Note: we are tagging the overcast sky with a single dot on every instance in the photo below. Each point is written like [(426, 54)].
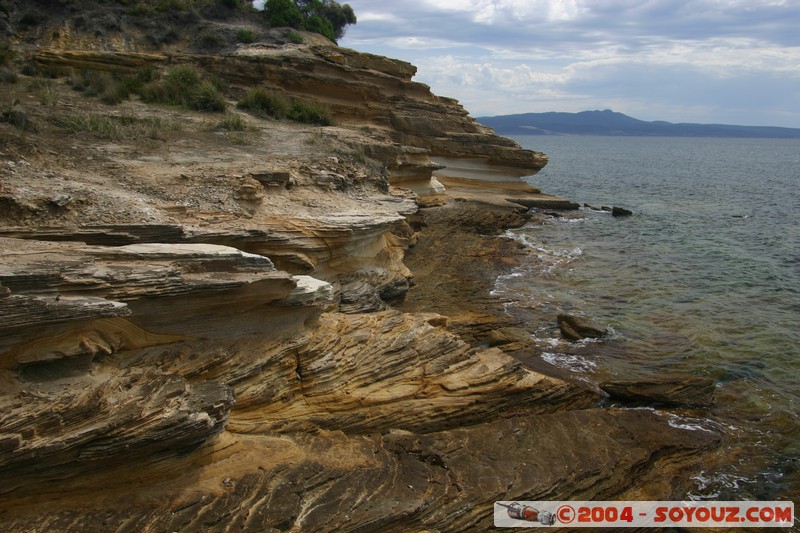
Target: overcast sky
[(721, 61)]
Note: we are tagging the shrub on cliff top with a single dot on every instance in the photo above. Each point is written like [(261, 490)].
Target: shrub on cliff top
[(317, 24), (281, 13), (326, 17)]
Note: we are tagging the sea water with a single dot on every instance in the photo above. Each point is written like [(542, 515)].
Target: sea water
[(703, 279)]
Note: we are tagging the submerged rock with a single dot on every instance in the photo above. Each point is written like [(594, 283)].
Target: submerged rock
[(668, 390), (576, 328), (620, 212)]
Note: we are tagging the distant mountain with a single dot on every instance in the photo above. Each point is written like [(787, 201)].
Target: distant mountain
[(612, 123)]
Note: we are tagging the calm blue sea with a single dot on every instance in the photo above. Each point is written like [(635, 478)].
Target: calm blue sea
[(703, 279)]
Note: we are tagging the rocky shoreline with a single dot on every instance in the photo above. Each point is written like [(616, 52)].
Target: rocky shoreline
[(294, 332), (380, 420)]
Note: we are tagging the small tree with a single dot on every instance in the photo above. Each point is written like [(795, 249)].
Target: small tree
[(283, 13), (319, 25), (338, 15), (326, 17)]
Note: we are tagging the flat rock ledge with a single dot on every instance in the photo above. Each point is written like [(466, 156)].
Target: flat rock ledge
[(692, 391)]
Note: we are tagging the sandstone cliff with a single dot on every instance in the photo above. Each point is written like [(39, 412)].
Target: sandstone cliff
[(207, 332)]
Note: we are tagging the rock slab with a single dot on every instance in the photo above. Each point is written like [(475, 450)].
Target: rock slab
[(576, 328), (691, 391)]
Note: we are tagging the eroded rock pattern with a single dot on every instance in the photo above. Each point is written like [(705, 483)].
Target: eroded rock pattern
[(205, 337)]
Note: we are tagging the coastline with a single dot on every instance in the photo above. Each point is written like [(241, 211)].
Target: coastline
[(218, 326)]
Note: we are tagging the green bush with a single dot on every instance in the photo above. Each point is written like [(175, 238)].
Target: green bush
[(110, 88), (294, 37), (98, 125), (17, 117), (115, 94), (183, 78), (148, 7), (29, 69), (337, 15), (246, 36), (232, 122), (116, 127), (326, 17), (6, 54), (157, 92), (207, 97), (210, 39), (263, 103), (135, 82), (317, 24), (281, 13), (309, 113), (45, 90), (7, 75), (184, 86)]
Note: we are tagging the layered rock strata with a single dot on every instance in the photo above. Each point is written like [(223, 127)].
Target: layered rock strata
[(202, 336), (430, 136), (392, 482)]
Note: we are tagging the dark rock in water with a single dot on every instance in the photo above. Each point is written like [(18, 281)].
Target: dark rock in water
[(576, 328), (605, 208), (669, 390), (620, 212), (546, 202)]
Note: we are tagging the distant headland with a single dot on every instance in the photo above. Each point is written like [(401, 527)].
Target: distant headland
[(609, 122)]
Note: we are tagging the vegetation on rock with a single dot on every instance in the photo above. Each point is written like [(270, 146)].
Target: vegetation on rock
[(326, 17), (185, 86), (116, 127), (245, 35), (263, 103)]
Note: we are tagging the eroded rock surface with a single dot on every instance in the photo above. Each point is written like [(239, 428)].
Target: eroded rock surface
[(290, 334), (695, 391), (329, 481)]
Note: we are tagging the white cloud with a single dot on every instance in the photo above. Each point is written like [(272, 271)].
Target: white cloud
[(711, 58), (491, 11), (372, 16)]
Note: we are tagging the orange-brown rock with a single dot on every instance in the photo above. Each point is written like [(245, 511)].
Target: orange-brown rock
[(206, 332)]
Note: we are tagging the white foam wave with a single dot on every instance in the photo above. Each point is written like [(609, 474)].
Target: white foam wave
[(569, 361), (549, 341), (709, 485), (690, 424)]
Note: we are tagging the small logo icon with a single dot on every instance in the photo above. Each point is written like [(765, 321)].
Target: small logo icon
[(529, 514)]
